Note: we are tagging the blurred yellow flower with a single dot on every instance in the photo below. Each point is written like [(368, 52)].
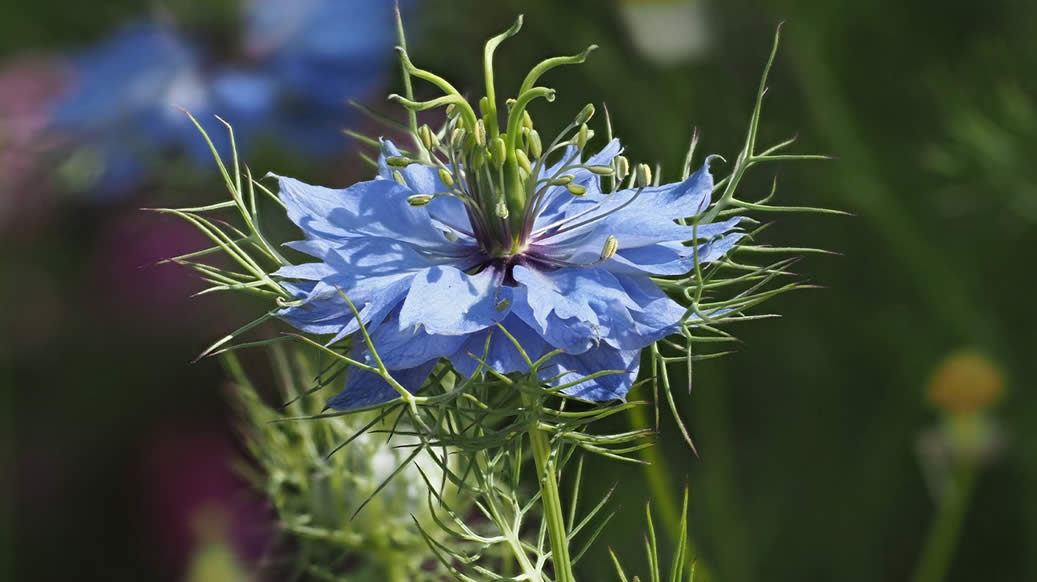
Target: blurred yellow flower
[(966, 382)]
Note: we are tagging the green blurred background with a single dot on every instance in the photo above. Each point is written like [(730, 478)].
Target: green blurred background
[(815, 437)]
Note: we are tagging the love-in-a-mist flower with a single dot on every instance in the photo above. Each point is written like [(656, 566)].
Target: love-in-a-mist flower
[(484, 227)]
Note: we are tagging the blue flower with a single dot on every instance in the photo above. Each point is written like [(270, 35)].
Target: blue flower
[(123, 98), (320, 54), (434, 272), (304, 61)]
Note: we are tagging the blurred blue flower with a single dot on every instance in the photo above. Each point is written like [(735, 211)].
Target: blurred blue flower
[(123, 99), (431, 282), (303, 60), (319, 53)]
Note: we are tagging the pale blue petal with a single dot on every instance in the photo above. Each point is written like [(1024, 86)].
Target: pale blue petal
[(572, 335), (611, 386), (364, 389), (573, 307), (377, 208), (446, 212), (401, 346), (502, 356), (448, 301)]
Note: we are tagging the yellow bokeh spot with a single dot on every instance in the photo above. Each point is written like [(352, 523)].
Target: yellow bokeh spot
[(965, 382)]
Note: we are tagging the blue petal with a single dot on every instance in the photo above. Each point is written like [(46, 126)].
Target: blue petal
[(448, 301), (325, 311), (558, 198), (364, 389), (671, 258), (573, 335), (376, 208), (609, 386), (402, 346), (502, 356), (657, 315), (587, 304), (636, 219), (446, 212)]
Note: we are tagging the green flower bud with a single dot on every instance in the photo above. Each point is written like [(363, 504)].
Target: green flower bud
[(576, 189), (484, 105), (451, 111), (397, 161), (560, 180), (419, 199), (585, 114), (601, 170), (523, 161), (446, 178), (609, 249), (480, 133), (644, 175)]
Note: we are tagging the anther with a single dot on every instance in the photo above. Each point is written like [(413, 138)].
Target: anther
[(644, 175), (609, 249), (446, 178), (419, 199)]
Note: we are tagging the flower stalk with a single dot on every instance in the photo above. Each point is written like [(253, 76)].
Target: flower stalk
[(547, 480)]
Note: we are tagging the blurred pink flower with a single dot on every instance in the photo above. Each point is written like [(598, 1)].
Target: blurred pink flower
[(28, 88), (187, 477)]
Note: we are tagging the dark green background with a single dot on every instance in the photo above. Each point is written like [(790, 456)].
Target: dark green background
[(807, 435)]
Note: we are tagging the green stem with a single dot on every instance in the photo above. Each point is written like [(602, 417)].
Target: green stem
[(547, 479), (395, 567), (408, 90), (946, 528), (512, 536)]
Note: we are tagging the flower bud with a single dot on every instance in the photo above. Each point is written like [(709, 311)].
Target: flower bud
[(523, 161), (451, 111), (480, 133), (622, 167), (644, 175), (601, 170), (419, 199), (560, 180), (586, 113), (484, 105), (446, 178), (576, 189), (609, 249), (397, 161)]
